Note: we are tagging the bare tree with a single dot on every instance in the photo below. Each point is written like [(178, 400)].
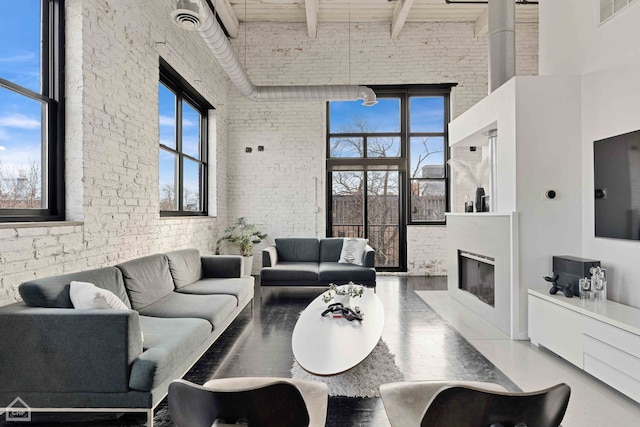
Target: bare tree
[(167, 197), (20, 188), (382, 188)]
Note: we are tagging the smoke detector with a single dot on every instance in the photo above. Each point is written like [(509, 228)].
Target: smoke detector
[(187, 15)]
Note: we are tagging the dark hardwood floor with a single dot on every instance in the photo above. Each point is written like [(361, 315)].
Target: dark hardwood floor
[(258, 343)]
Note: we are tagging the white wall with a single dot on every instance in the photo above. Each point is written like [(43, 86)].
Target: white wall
[(609, 67), (112, 144), (277, 188)]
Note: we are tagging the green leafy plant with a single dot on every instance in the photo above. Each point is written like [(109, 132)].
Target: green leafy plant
[(241, 235), (351, 289)]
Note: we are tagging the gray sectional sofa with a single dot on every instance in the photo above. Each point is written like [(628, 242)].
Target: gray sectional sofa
[(313, 262), (56, 357)]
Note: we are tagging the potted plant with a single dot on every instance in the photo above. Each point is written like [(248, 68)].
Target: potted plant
[(343, 294), (243, 236)]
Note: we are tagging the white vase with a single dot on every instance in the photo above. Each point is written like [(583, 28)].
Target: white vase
[(247, 265)]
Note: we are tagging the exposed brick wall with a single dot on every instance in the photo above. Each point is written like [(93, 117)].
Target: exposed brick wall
[(277, 188), (112, 144)]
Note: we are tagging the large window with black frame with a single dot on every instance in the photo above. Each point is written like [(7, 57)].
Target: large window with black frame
[(386, 167), (182, 161), (31, 116)]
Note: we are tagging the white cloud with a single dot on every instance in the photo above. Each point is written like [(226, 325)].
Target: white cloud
[(2, 148), (21, 57), (17, 120), (167, 121)]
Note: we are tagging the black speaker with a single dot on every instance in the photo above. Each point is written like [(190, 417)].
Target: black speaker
[(571, 269)]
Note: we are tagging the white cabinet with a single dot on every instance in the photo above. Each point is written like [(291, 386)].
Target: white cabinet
[(604, 341)]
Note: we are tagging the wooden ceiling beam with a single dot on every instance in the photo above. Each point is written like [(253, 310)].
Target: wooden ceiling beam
[(482, 24), (400, 17), (311, 7)]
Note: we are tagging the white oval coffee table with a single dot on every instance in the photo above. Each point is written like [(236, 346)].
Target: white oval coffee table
[(330, 346)]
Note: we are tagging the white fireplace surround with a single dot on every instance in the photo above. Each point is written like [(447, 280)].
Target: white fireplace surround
[(492, 235)]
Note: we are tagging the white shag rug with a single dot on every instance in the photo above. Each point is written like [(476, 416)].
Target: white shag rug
[(363, 380)]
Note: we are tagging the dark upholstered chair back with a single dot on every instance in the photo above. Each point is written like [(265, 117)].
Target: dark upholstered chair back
[(466, 406), (275, 405)]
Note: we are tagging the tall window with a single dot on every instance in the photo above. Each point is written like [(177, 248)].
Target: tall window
[(386, 167), (31, 116), (183, 146)]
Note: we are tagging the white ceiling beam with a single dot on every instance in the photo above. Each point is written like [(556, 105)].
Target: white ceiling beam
[(311, 7), (227, 16), (482, 24), (399, 17)]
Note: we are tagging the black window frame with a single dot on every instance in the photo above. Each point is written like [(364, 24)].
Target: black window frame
[(52, 96), (185, 92), (443, 91), (404, 93)]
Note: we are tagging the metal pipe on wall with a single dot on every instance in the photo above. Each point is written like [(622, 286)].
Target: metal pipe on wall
[(194, 15)]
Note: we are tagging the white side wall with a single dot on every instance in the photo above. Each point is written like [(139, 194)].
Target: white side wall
[(281, 187), (112, 144), (609, 67)]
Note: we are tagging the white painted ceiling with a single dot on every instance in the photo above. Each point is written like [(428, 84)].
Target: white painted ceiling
[(392, 13)]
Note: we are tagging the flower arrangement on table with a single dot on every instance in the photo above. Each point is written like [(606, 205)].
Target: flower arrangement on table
[(350, 290)]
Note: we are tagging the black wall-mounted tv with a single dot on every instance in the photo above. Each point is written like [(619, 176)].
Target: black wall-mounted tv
[(617, 186)]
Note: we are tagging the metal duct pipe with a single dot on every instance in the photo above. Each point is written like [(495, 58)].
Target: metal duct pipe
[(193, 15), (502, 42)]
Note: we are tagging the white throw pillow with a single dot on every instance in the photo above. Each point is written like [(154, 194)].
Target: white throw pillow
[(87, 295), (353, 251)]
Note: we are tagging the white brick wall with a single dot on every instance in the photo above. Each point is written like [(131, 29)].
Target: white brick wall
[(112, 132), (277, 187), (112, 144)]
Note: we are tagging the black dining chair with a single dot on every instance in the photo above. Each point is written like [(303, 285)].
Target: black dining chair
[(439, 404), (254, 402)]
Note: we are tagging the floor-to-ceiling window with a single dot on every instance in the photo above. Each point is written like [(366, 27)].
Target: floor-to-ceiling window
[(182, 163), (31, 116), (386, 167)]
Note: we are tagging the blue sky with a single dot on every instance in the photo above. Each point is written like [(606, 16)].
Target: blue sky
[(426, 115), (190, 139), (20, 117)]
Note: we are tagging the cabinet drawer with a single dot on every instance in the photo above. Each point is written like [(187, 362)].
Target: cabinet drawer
[(556, 328), (615, 337), (611, 376), (622, 361)]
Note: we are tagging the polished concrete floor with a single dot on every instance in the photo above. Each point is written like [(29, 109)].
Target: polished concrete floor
[(425, 346), (592, 403)]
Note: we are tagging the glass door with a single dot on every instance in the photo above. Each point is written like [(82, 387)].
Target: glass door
[(366, 204)]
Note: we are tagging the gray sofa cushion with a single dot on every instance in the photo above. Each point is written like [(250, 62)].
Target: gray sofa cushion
[(291, 271), (53, 292), (214, 308), (298, 250), (330, 249), (241, 288), (185, 266), (167, 344), (339, 272), (147, 280)]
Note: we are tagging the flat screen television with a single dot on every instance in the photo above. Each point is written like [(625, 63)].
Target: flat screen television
[(617, 186)]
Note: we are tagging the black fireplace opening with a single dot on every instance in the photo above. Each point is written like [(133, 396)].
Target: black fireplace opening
[(476, 275)]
